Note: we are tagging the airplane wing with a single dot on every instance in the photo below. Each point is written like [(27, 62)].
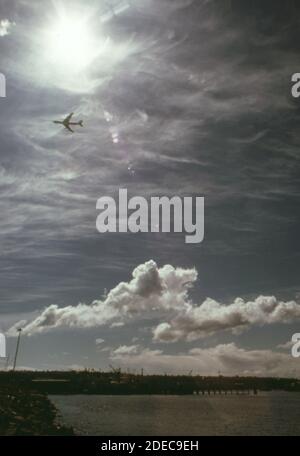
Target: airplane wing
[(67, 119), (69, 128)]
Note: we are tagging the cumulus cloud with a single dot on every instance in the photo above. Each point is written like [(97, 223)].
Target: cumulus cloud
[(164, 293), (227, 358), (195, 322), (151, 289), (5, 27)]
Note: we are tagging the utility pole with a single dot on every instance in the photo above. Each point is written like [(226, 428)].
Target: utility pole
[(17, 348)]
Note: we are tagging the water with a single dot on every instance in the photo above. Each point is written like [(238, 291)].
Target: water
[(265, 414)]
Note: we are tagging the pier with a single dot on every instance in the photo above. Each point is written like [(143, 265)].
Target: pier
[(116, 382)]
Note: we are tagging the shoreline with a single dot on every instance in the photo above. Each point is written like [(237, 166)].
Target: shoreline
[(26, 412)]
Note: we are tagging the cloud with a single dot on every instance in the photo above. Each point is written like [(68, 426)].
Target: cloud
[(227, 358), (195, 322), (286, 346), (13, 331), (125, 350), (150, 289), (164, 293), (5, 27), (99, 341), (106, 349), (117, 324)]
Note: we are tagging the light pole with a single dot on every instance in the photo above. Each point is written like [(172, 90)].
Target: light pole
[(17, 348)]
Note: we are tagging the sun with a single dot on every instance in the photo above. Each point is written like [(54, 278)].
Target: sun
[(73, 50), (70, 44)]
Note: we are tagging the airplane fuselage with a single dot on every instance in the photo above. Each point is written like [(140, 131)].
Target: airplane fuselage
[(64, 123)]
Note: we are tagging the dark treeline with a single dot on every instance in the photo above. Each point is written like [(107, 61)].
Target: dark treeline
[(118, 382)]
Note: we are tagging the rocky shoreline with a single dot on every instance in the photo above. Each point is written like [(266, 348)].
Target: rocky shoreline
[(26, 412)]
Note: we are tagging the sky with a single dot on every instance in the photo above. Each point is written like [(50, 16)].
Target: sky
[(178, 97)]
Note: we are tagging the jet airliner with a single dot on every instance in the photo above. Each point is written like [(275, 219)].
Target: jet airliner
[(67, 122)]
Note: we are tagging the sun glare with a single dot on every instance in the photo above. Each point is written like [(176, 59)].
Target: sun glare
[(70, 44), (73, 51)]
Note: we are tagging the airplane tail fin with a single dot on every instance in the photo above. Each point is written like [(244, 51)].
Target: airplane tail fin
[(81, 123)]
